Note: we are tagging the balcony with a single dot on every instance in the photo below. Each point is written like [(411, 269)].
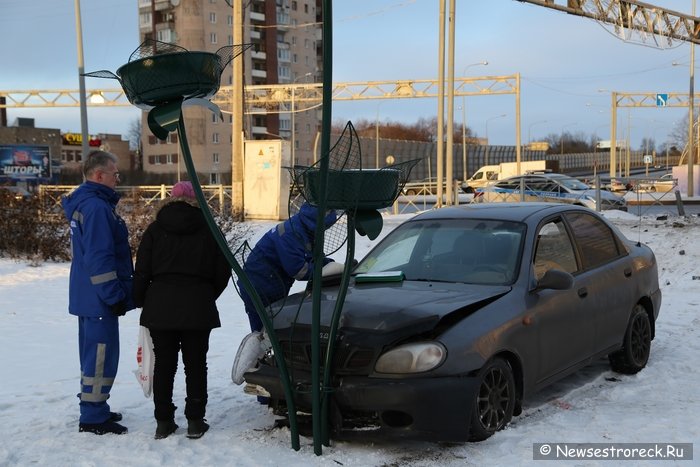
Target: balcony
[(258, 55), (255, 16)]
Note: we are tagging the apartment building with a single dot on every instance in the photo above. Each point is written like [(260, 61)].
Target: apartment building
[(287, 49)]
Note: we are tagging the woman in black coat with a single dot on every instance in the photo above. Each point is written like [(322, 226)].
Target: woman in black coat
[(180, 272)]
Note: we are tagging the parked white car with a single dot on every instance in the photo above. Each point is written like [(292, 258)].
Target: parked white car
[(663, 184), (555, 188)]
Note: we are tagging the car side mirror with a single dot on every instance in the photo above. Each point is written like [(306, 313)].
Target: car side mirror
[(555, 279)]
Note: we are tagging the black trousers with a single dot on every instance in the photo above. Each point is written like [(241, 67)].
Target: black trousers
[(166, 346)]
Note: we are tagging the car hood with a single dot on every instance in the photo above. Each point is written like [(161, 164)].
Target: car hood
[(390, 307)]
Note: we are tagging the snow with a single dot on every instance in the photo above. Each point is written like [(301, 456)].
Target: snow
[(39, 376)]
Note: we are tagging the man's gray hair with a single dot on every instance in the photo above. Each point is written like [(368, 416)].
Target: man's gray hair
[(98, 160)]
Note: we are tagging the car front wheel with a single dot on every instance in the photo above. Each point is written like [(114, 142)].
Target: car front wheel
[(493, 405), (636, 346)]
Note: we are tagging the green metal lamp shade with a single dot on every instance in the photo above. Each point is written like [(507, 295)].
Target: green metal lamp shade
[(354, 189), (169, 77), (161, 73)]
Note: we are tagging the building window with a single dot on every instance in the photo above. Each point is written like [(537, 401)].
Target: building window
[(145, 19), (306, 7), (214, 179), (229, 20), (283, 55), (230, 39), (215, 158), (214, 118), (294, 5), (215, 138), (307, 43), (284, 72), (212, 38), (294, 40), (212, 18), (164, 35), (294, 58)]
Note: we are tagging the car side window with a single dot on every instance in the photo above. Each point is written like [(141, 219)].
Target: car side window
[(554, 249), (595, 239)]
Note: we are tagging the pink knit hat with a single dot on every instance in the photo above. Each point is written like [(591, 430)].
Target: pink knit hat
[(183, 189)]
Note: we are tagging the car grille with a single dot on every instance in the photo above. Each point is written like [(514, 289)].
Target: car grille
[(347, 359)]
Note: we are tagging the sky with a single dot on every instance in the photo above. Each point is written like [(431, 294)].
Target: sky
[(568, 65), (40, 375)]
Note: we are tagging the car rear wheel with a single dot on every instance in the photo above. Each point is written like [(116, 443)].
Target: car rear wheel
[(411, 192), (493, 405), (636, 346)]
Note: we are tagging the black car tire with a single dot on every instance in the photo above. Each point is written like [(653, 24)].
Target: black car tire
[(494, 400), (637, 344), (410, 192)]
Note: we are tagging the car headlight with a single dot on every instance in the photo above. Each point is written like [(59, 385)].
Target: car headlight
[(411, 358)]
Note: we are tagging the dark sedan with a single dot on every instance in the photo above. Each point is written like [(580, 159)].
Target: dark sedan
[(461, 313)]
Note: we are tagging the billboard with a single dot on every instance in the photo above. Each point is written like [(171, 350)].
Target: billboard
[(24, 162)]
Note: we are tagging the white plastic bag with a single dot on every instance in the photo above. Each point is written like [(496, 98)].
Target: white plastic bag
[(145, 358)]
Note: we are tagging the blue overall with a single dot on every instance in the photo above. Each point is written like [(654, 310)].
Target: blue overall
[(100, 276)]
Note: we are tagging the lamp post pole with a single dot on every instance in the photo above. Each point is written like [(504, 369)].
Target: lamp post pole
[(376, 137), (81, 82), (529, 132), (486, 158), (561, 136), (293, 139), (464, 122)]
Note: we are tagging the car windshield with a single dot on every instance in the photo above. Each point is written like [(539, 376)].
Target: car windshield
[(572, 183), (450, 250)]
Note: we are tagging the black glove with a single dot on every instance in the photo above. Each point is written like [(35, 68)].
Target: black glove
[(119, 308)]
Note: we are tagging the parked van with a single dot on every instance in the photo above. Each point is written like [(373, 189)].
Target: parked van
[(491, 173)]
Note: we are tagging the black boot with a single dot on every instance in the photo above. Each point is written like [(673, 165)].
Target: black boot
[(104, 428), (196, 428), (165, 428)]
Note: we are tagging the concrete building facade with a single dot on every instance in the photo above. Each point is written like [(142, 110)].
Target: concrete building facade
[(286, 38)]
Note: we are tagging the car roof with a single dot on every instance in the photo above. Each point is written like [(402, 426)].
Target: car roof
[(517, 212)]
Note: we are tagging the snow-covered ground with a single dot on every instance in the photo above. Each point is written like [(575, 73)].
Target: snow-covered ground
[(39, 379)]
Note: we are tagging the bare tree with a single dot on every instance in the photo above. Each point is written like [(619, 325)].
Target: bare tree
[(135, 131)]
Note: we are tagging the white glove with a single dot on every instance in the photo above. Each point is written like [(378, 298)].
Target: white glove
[(332, 269)]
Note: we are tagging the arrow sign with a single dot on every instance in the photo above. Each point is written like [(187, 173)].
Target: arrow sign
[(661, 100)]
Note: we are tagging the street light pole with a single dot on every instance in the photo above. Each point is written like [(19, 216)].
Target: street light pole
[(376, 137), (561, 136), (81, 82), (529, 139), (486, 158), (293, 139), (464, 122)]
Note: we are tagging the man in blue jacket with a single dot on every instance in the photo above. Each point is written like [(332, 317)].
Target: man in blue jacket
[(281, 256), (100, 287)]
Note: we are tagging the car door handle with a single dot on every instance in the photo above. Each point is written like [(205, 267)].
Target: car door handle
[(628, 272), (582, 292)]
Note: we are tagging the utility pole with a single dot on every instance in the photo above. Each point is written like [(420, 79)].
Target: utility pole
[(237, 202), (81, 82), (441, 104)]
